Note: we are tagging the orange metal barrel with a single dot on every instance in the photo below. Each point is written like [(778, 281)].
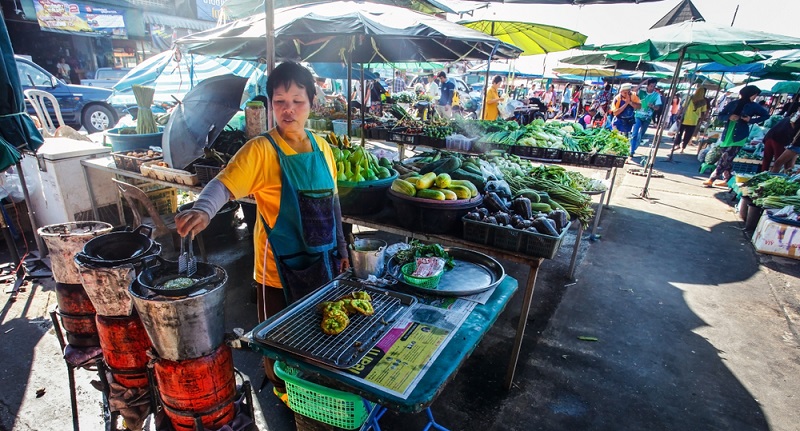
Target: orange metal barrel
[(205, 386), (125, 344), (72, 299)]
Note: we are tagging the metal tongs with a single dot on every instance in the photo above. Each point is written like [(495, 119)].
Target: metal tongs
[(187, 263)]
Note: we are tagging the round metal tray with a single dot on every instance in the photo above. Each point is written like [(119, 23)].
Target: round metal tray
[(474, 273)]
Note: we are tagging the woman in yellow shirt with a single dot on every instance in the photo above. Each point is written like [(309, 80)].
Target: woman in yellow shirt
[(694, 112), (298, 238), (491, 111)]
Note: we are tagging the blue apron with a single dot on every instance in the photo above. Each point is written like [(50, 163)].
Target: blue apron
[(303, 240)]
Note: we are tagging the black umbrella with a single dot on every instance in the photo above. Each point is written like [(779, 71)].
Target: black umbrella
[(200, 117), (17, 131)]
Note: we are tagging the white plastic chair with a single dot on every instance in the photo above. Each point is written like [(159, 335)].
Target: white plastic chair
[(37, 99)]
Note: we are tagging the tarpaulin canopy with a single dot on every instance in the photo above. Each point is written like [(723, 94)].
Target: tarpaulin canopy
[(17, 131), (531, 37), (172, 73), (339, 71), (349, 31)]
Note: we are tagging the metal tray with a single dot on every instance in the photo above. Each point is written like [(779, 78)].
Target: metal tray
[(474, 273), (297, 330)]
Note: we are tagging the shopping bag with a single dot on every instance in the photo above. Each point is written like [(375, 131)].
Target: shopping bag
[(673, 129)]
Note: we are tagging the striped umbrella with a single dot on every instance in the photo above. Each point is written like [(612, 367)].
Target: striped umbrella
[(173, 74)]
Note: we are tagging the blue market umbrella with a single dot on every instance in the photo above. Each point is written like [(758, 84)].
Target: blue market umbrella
[(201, 116)]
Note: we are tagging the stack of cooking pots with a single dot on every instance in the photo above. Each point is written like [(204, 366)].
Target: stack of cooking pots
[(75, 309), (194, 367), (108, 265)]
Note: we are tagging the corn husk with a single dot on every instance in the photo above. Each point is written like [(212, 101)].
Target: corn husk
[(145, 122)]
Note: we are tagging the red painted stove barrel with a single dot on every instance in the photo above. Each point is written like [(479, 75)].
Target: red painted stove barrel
[(205, 386), (72, 299), (77, 315), (125, 344)]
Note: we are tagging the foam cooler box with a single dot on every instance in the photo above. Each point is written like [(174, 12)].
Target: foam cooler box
[(779, 239)]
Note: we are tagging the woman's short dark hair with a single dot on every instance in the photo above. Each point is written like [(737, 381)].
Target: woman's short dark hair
[(290, 72), (497, 79)]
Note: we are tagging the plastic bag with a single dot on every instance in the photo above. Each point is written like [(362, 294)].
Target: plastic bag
[(673, 129), (701, 156), (713, 155), (11, 186)]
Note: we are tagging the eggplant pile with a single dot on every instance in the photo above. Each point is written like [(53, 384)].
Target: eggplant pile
[(522, 214)]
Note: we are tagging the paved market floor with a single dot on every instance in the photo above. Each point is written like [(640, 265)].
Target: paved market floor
[(694, 331)]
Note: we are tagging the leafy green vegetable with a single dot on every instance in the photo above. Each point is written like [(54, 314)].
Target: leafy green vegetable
[(418, 249)]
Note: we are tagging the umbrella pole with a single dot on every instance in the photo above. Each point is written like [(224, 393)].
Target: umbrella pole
[(269, 22), (660, 128), (349, 88), (363, 100), (362, 111), (486, 82), (34, 227)]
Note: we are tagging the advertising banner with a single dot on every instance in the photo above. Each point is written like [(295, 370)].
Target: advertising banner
[(80, 18), (208, 10)]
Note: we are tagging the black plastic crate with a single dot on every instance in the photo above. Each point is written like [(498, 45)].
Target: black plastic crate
[(478, 232), (576, 158), (552, 153), (745, 168), (608, 161), (404, 138), (526, 151)]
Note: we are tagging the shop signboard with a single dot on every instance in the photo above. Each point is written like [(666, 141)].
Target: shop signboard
[(209, 10), (56, 15)]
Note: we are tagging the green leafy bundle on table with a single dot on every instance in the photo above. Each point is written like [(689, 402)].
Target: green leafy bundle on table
[(418, 249), (775, 186)]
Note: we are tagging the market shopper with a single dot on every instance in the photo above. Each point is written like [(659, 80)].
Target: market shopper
[(695, 111), (298, 239), (399, 82), (650, 100), (446, 90), (624, 109), (492, 111), (738, 115), (776, 140), (674, 110), (566, 99)]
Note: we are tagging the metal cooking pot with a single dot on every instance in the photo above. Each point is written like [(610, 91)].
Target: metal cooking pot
[(184, 327), (119, 248)]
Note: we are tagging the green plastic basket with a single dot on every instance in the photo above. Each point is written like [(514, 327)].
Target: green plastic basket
[(423, 282), (336, 408)]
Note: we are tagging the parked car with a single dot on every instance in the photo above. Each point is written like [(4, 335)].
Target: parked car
[(106, 77), (81, 106)]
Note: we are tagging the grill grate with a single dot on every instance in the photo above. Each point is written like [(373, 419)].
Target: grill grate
[(297, 329)]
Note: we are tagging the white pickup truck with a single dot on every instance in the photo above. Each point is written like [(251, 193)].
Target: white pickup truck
[(106, 77)]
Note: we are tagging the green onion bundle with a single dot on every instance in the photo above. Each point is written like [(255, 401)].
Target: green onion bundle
[(145, 122)]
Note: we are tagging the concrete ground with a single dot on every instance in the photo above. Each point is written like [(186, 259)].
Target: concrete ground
[(694, 331)]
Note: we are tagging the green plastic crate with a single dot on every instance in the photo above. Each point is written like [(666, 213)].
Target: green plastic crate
[(333, 407)]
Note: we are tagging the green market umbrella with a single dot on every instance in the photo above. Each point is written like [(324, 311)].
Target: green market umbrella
[(17, 131), (532, 38), (786, 87), (698, 42), (587, 72)]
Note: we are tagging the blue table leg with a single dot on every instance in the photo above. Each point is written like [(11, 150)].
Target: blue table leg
[(432, 422), (376, 412)]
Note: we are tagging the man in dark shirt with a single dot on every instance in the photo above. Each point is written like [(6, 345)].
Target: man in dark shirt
[(446, 89)]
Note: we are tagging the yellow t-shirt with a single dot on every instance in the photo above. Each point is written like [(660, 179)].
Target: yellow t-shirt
[(255, 169), (491, 112), (692, 114)]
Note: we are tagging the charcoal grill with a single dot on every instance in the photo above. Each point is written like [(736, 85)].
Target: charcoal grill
[(297, 328)]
